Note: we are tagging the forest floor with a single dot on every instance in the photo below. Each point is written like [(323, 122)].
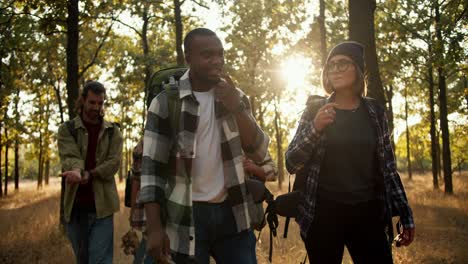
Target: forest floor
[(29, 231)]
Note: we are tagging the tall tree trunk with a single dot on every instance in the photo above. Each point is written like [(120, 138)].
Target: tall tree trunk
[(1, 147), (72, 55), (443, 106), (439, 155), (261, 117), (434, 138), (408, 153), (16, 148), (47, 140), (40, 161), (1, 186), (446, 156), (122, 170), (323, 32), (361, 29), (391, 125), (179, 32), (465, 82), (47, 170), (279, 145), (16, 162), (59, 100), (146, 55), (5, 191)]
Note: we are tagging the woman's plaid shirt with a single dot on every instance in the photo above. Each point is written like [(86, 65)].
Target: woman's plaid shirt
[(307, 149), (166, 168)]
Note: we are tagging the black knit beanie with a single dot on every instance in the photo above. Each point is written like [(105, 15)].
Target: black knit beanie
[(352, 49)]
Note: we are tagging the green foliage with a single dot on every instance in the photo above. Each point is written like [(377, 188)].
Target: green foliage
[(122, 42)]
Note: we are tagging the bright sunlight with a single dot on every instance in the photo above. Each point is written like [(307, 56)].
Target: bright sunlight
[(294, 71)]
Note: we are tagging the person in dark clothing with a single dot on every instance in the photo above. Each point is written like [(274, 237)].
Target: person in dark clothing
[(343, 149), (90, 150)]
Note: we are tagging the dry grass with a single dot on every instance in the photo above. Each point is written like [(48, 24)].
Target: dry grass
[(29, 233)]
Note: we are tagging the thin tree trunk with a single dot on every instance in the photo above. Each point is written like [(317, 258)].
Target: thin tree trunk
[(408, 154), (40, 161), (391, 126), (279, 145), (59, 100), (5, 190), (47, 170), (446, 156), (1, 186), (434, 139), (46, 155), (16, 148), (361, 29), (72, 55), (1, 147), (261, 117), (323, 32), (447, 165), (179, 32), (123, 169), (16, 162), (146, 55), (439, 155)]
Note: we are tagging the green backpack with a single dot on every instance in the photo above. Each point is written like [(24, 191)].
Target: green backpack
[(168, 80)]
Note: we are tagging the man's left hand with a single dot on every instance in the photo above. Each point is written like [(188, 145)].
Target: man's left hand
[(226, 92)]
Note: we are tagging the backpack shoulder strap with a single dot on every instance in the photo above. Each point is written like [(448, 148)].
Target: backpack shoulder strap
[(71, 129)]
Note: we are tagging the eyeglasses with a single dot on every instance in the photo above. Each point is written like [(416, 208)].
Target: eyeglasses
[(339, 66)]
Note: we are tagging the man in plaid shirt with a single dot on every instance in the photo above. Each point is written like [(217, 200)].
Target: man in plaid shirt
[(192, 185)]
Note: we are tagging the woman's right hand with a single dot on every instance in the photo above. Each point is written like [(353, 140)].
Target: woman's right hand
[(324, 117)]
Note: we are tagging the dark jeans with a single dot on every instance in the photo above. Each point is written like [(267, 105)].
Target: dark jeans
[(216, 235), (359, 227), (100, 232)]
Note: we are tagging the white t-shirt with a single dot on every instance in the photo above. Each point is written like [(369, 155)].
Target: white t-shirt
[(207, 166)]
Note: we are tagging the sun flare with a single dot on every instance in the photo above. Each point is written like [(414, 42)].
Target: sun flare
[(294, 71)]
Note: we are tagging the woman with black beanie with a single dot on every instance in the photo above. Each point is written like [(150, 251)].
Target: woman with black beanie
[(342, 147)]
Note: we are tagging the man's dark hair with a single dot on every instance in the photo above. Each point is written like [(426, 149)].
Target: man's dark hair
[(192, 34), (93, 86)]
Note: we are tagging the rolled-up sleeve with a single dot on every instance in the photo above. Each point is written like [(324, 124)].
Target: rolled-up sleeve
[(269, 167)]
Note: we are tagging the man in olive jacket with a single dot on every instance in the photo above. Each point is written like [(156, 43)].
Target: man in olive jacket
[(90, 150)]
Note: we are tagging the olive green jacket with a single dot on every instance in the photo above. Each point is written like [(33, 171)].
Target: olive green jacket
[(108, 154)]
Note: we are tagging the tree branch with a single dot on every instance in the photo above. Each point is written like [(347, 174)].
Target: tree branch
[(196, 2), (129, 26), (414, 33), (96, 53)]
